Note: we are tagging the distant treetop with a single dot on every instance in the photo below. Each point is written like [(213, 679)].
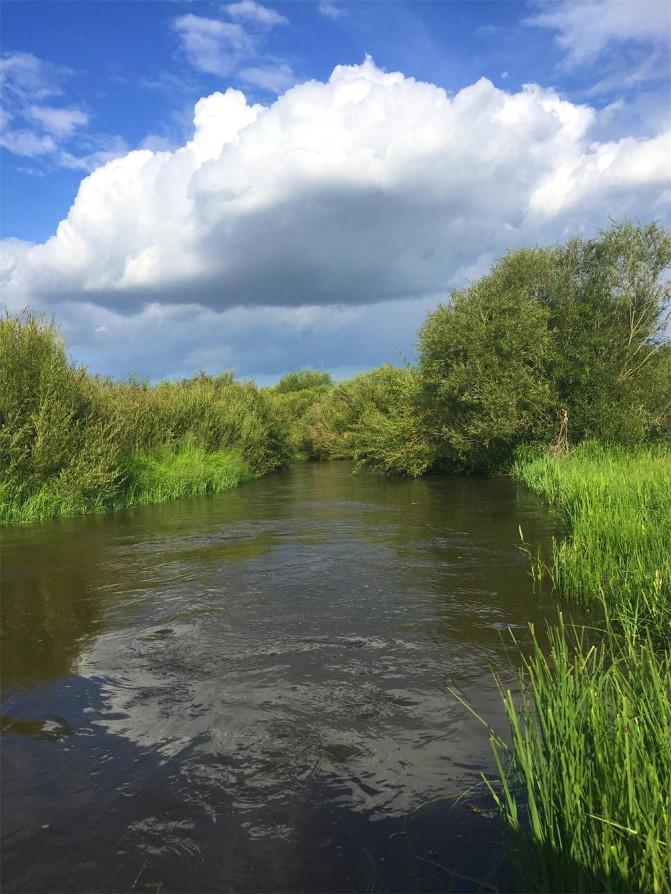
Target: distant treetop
[(302, 379)]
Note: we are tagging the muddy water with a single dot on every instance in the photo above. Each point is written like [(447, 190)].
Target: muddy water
[(250, 692)]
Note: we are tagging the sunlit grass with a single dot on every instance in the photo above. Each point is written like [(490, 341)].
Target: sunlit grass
[(585, 782), (587, 776), (145, 477), (617, 507), (155, 476)]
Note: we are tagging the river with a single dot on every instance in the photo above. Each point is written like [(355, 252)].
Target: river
[(250, 692)]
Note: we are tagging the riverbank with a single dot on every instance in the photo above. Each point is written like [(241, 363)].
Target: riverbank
[(585, 784), (73, 443), (145, 477)]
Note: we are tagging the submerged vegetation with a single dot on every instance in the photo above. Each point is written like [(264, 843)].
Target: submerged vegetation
[(554, 352)]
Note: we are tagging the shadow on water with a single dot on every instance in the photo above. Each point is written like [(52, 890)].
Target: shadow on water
[(250, 692)]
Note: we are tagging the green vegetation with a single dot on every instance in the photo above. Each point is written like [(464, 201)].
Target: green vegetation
[(586, 780), (531, 367), (292, 400), (617, 507), (569, 339), (585, 783), (72, 443), (575, 328)]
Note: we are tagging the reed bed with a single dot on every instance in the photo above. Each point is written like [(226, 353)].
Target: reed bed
[(585, 778), (585, 784), (617, 508), (72, 443)]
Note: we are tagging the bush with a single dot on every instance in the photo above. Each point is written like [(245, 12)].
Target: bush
[(73, 443)]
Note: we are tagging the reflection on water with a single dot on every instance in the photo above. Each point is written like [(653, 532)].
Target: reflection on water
[(250, 692)]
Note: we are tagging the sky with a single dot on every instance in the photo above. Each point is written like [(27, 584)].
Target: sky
[(260, 188)]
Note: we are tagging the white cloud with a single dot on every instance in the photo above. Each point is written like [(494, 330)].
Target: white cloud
[(26, 143), (26, 128), (25, 77), (368, 189), (58, 122), (588, 27), (230, 49), (108, 148), (45, 130), (273, 78), (213, 46), (331, 10), (248, 10)]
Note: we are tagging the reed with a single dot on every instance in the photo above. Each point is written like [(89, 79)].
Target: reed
[(585, 783), (585, 778), (617, 508), (72, 443)]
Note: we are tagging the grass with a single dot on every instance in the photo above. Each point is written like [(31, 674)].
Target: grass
[(585, 780), (72, 443), (165, 475), (617, 508), (149, 476)]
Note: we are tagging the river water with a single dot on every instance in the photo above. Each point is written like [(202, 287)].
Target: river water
[(251, 692)]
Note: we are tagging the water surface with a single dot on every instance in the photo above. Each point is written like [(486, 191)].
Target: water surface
[(251, 692)]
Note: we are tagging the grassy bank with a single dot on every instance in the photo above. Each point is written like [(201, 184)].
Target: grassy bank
[(617, 508), (72, 443), (585, 783), (144, 477)]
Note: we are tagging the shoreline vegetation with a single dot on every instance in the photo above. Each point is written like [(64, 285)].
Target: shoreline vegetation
[(585, 777), (554, 367)]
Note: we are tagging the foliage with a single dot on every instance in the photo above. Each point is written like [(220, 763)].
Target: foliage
[(617, 508), (374, 419), (291, 400), (483, 364), (73, 443), (155, 476), (303, 379), (577, 328), (585, 781), (390, 432), (609, 311)]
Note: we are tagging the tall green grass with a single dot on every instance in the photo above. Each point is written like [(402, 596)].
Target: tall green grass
[(145, 477), (72, 443), (190, 472), (585, 781), (617, 508)]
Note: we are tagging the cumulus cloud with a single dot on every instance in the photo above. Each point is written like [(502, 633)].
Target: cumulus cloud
[(368, 190), (585, 28)]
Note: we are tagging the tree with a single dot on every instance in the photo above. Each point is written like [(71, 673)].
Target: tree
[(484, 361)]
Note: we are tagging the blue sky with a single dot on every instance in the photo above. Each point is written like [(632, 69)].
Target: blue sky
[(316, 219)]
